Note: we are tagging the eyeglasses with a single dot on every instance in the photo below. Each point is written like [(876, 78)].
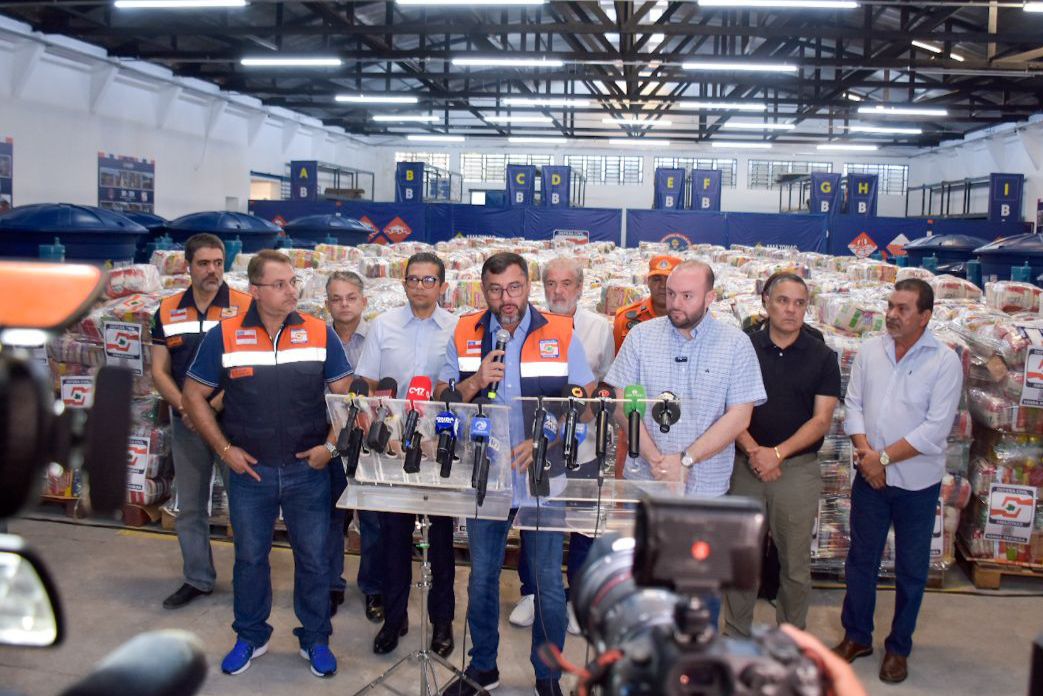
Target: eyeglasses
[(427, 281), (281, 285), (513, 290)]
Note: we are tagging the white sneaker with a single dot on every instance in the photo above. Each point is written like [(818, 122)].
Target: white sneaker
[(524, 612), (573, 624)]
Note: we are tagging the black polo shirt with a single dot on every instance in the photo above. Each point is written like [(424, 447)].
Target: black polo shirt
[(793, 377)]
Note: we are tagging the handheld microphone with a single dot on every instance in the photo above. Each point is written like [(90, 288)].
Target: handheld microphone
[(635, 411), (502, 336), (419, 390), (602, 419), (569, 447), (447, 426), (666, 411), (379, 432), (480, 431), (349, 442)]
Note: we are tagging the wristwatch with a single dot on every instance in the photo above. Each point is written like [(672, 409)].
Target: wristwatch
[(884, 459), (332, 449), (686, 460)]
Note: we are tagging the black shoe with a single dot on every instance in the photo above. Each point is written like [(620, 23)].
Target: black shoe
[(336, 599), (185, 594), (548, 687), (486, 680), (387, 638), (442, 638), (374, 608)]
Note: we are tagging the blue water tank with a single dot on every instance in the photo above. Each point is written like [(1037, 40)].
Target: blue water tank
[(316, 228), (949, 248), (255, 233), (88, 233), (999, 257)]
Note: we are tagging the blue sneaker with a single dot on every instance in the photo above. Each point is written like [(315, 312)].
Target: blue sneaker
[(323, 663), (239, 659)]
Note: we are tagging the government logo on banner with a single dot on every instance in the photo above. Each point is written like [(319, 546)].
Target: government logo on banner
[(676, 241), (862, 246)]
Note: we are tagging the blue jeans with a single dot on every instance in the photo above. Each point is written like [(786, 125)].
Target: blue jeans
[(579, 547), (304, 495), (488, 541), (872, 513), (369, 577)]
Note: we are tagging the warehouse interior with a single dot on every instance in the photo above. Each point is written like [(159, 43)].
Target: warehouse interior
[(849, 144)]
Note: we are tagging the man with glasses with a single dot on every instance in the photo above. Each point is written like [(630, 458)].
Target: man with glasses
[(402, 344), (346, 301), (542, 356), (274, 366)]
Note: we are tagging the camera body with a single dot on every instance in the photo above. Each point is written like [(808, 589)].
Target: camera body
[(640, 602)]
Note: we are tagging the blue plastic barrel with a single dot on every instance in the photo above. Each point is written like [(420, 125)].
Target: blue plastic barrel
[(52, 252), (948, 248), (254, 232), (320, 228), (997, 258), (1022, 274), (90, 234), (233, 247), (931, 263), (973, 268), (901, 261)]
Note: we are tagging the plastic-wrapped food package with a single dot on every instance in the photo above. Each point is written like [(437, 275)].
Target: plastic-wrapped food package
[(241, 262), (465, 293), (749, 310), (917, 272), (872, 270), (1011, 296), (616, 295), (834, 532), (955, 491), (854, 313), (999, 412), (375, 267), (339, 254), (316, 308), (148, 411), (949, 287), (133, 309), (146, 491), (69, 348), (237, 280), (129, 280), (836, 477), (1001, 340), (305, 258), (972, 534), (176, 282), (169, 261)]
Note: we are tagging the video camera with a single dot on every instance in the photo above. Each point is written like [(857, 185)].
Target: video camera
[(639, 601)]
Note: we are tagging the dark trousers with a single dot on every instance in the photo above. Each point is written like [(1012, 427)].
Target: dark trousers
[(396, 534), (872, 514)]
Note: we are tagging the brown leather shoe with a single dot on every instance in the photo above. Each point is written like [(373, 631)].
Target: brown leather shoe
[(849, 651), (894, 669)]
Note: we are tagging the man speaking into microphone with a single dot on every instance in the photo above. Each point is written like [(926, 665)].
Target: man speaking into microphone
[(408, 345)]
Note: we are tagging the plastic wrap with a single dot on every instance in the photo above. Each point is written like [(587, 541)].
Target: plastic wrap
[(129, 280), (1011, 296), (169, 261), (949, 287)]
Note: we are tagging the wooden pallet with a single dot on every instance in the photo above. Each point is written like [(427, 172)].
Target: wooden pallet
[(987, 574), (67, 503), (140, 515)]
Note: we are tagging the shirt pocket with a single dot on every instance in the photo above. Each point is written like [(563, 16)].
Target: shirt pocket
[(708, 386)]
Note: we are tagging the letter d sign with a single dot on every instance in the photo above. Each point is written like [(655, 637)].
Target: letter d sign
[(555, 179)]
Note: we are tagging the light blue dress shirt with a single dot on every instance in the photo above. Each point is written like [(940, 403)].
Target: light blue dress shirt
[(915, 398), (353, 348), (401, 346)]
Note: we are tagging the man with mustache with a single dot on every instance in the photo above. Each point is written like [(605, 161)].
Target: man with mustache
[(901, 400), (178, 328)]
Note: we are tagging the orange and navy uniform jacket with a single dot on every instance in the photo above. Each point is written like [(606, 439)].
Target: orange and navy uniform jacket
[(630, 316), (180, 326), (275, 387)]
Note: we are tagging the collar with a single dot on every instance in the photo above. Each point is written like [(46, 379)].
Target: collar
[(221, 299), (441, 317), (253, 318), (927, 341), (703, 327), (531, 320), (360, 330), (762, 339)]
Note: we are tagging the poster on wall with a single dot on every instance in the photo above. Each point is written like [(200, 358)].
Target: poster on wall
[(6, 174), (706, 189), (825, 192), (862, 194), (521, 184), (668, 189), (1005, 196), (304, 180), (126, 183)]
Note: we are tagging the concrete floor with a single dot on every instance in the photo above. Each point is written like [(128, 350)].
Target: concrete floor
[(113, 582)]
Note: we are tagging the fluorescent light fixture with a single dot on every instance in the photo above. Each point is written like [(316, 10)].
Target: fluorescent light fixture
[(634, 121), (470, 3), (548, 102), (406, 118), (887, 130), (739, 125), (740, 145), (851, 96), (881, 110), (1033, 7), (739, 67), (509, 62), (783, 4), (425, 138), (276, 62), (520, 118), (720, 106), (536, 140), (927, 47), (375, 99), (957, 57), (645, 142), (844, 147), (177, 4)]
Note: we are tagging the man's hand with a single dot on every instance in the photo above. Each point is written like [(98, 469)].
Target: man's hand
[(318, 456), (870, 468), (522, 456), (239, 461), (186, 420), (765, 463), (668, 468), (491, 370)]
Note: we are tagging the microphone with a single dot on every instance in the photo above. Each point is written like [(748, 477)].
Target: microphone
[(419, 390), (447, 426), (569, 447), (634, 394), (502, 336), (349, 442), (602, 419), (379, 432), (480, 431), (542, 433), (666, 411)]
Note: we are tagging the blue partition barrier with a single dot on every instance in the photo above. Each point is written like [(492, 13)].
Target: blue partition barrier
[(599, 224), (848, 233), (678, 228), (806, 232)]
